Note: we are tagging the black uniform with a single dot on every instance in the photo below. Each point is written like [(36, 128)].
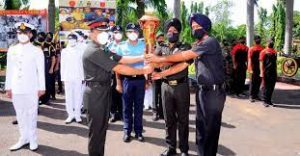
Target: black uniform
[(98, 64), (240, 53), (176, 101), (269, 58), (49, 53), (210, 97)]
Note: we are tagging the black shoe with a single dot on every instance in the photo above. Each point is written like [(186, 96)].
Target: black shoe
[(169, 152), (113, 119), (184, 154), (126, 138), (266, 104), (252, 100), (140, 137), (15, 122), (155, 117)]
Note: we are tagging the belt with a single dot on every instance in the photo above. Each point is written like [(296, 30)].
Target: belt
[(134, 77), (175, 82), (93, 83), (212, 87)]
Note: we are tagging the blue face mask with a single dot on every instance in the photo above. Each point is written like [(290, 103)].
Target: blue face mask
[(199, 33), (173, 37)]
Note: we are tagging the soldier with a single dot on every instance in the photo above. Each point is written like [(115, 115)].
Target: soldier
[(210, 96), (72, 75), (268, 72), (157, 101), (98, 64), (49, 54), (116, 107), (239, 55), (175, 91), (25, 82), (133, 86), (253, 69)]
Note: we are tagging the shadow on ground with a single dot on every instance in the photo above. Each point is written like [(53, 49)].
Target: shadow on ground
[(51, 151), (222, 150)]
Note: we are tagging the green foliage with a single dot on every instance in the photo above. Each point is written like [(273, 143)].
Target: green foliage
[(296, 25), (220, 19), (196, 7), (278, 25), (129, 11), (16, 4), (262, 23)]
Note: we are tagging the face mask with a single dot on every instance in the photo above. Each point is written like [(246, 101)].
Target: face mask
[(49, 39), (72, 42), (103, 38), (199, 33), (23, 38), (173, 37), (132, 36), (41, 39), (118, 36)]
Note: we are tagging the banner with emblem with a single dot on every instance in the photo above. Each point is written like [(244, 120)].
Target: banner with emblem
[(75, 14), (8, 19)]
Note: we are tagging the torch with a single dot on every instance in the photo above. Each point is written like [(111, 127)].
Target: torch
[(149, 24)]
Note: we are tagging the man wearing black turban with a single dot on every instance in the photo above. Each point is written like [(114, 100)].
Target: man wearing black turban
[(210, 97), (175, 90)]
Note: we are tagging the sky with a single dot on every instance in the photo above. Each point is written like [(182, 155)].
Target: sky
[(238, 16)]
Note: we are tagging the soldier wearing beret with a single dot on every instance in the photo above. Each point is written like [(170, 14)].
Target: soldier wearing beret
[(175, 90), (98, 64), (25, 82), (210, 74)]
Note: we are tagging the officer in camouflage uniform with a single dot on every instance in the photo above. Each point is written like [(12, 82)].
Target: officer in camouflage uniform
[(175, 91)]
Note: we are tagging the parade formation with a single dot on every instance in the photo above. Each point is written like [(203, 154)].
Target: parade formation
[(107, 72)]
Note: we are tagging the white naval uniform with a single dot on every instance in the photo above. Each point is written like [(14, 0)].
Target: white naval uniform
[(72, 75), (25, 76)]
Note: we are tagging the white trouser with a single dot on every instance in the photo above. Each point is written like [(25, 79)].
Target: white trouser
[(73, 90), (26, 107), (148, 98)]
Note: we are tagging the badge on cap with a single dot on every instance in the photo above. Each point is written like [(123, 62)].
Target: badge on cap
[(22, 26)]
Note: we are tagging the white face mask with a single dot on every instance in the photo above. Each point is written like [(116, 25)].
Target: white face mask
[(132, 36), (23, 38), (72, 42), (118, 36), (103, 38)]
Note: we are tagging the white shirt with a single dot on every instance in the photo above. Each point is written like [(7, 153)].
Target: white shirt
[(25, 71), (71, 64)]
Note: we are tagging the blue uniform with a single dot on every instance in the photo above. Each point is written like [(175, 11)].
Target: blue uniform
[(133, 90)]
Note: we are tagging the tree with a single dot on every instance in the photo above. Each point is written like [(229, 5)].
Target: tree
[(250, 21), (278, 25), (16, 4), (132, 10), (289, 5), (51, 15), (263, 19), (176, 8), (220, 17), (296, 25)]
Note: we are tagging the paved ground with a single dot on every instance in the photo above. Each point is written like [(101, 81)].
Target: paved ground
[(248, 129)]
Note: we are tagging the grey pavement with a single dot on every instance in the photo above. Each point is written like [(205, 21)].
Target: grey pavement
[(248, 129)]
